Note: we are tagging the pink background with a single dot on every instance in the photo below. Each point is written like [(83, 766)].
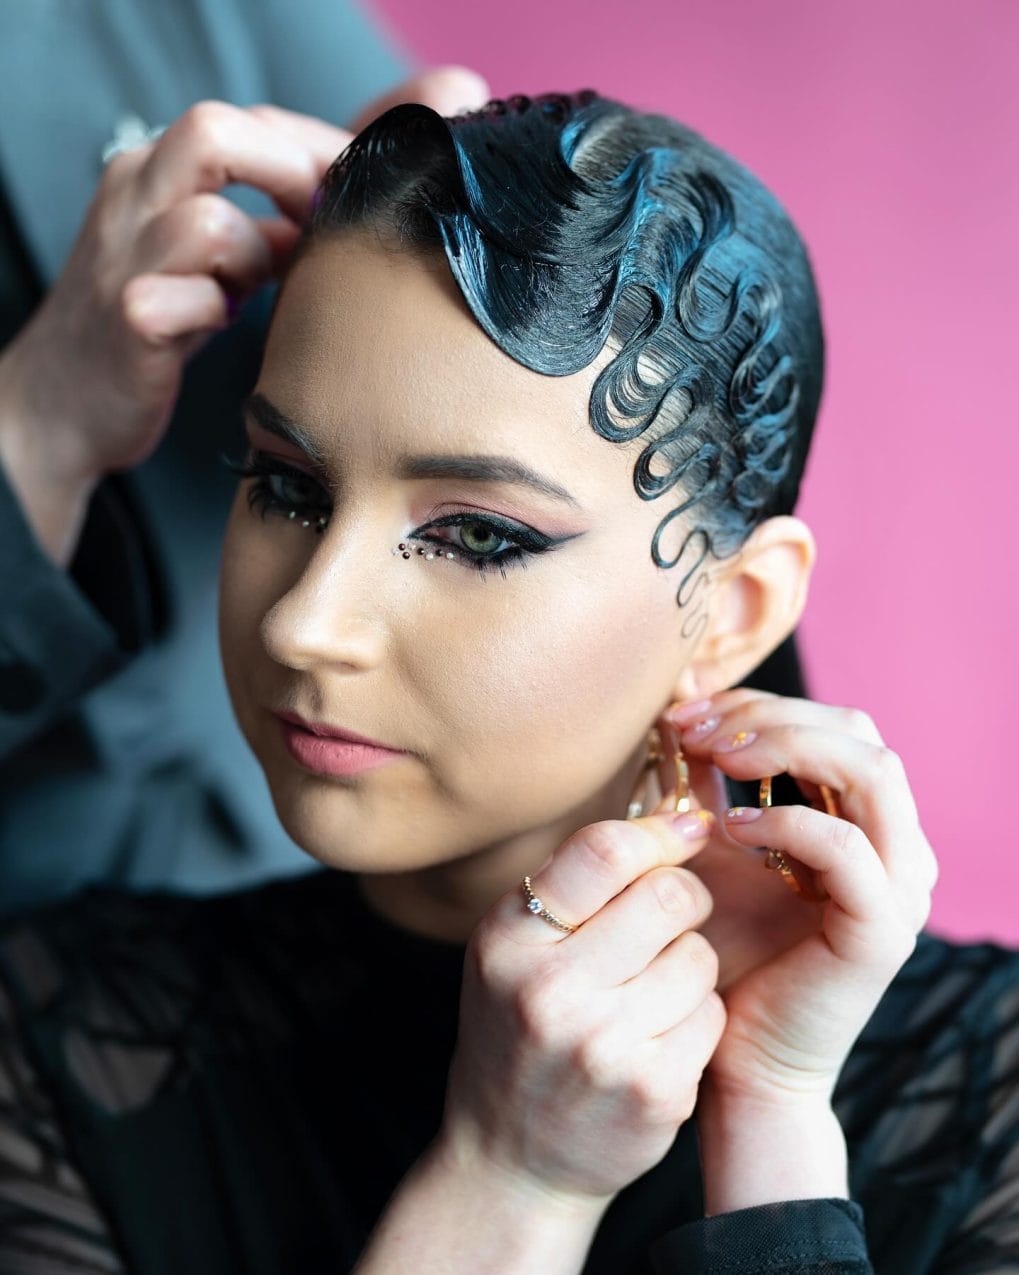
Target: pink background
[(890, 133)]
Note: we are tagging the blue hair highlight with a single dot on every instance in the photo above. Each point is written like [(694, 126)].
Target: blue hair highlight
[(571, 222)]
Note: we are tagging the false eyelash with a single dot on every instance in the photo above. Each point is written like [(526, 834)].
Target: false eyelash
[(525, 541), (261, 498)]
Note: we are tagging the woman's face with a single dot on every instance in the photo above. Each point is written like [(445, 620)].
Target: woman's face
[(517, 697)]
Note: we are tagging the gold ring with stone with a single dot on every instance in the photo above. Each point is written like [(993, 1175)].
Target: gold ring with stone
[(535, 905)]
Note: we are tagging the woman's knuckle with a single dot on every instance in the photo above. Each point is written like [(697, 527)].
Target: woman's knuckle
[(886, 764), (598, 1061), (857, 722), (700, 952), (675, 892), (538, 1010), (656, 1098), (608, 849), (847, 840), (485, 954)]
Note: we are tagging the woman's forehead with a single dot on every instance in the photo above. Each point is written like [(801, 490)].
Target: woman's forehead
[(371, 344)]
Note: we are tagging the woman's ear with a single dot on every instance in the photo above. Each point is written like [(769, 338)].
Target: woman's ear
[(754, 602)]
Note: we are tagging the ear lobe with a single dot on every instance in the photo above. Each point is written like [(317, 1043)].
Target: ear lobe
[(755, 603)]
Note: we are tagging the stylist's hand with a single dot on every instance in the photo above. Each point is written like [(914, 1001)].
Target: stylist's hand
[(580, 1054), (88, 386), (810, 974)]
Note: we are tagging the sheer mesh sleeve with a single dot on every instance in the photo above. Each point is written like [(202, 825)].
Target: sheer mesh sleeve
[(986, 1241), (49, 1224), (217, 1094)]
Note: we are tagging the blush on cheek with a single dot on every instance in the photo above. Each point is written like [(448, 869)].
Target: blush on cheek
[(547, 712)]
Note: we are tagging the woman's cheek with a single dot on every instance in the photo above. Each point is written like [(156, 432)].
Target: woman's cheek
[(549, 694)]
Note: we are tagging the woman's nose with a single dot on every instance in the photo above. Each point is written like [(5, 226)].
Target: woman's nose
[(333, 614)]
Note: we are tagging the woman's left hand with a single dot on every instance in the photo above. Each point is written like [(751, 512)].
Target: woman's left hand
[(794, 1015)]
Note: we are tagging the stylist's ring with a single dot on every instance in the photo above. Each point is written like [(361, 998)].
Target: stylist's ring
[(535, 905)]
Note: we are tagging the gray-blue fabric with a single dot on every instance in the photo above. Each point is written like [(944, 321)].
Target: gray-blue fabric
[(119, 757)]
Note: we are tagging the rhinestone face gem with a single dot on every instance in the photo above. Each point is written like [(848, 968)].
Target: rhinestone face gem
[(534, 905)]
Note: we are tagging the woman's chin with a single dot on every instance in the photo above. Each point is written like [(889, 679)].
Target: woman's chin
[(348, 826)]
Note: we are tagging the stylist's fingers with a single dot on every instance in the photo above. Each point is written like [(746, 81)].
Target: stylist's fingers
[(162, 309), (207, 234), (449, 90), (324, 140), (215, 144)]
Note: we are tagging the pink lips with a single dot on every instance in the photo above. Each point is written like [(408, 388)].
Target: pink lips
[(328, 751)]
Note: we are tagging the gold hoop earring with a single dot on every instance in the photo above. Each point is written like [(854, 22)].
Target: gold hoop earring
[(655, 755), (776, 861)]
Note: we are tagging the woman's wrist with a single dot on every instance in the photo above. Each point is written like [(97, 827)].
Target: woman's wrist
[(764, 1150), (455, 1210)]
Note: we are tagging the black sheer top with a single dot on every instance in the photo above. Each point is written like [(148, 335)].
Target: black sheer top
[(237, 1084)]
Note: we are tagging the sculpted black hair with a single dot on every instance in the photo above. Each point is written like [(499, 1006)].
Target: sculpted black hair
[(570, 221)]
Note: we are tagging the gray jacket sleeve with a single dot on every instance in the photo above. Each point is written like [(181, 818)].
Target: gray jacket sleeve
[(63, 632)]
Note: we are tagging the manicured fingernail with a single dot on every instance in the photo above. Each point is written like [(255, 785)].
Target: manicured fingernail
[(743, 814), (695, 825), (700, 729), (683, 713), (739, 740)]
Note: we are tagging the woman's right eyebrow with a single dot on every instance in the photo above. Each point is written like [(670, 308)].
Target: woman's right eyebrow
[(483, 469), (269, 417)]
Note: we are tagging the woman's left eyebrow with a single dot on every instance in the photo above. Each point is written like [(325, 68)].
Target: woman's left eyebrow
[(484, 469), (269, 417)]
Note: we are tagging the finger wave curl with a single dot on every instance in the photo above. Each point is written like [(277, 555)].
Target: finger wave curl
[(574, 226)]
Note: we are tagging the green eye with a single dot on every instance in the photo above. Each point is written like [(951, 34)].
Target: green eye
[(484, 543), (479, 537)]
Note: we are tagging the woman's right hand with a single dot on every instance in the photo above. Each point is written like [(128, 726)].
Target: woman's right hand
[(579, 1055)]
